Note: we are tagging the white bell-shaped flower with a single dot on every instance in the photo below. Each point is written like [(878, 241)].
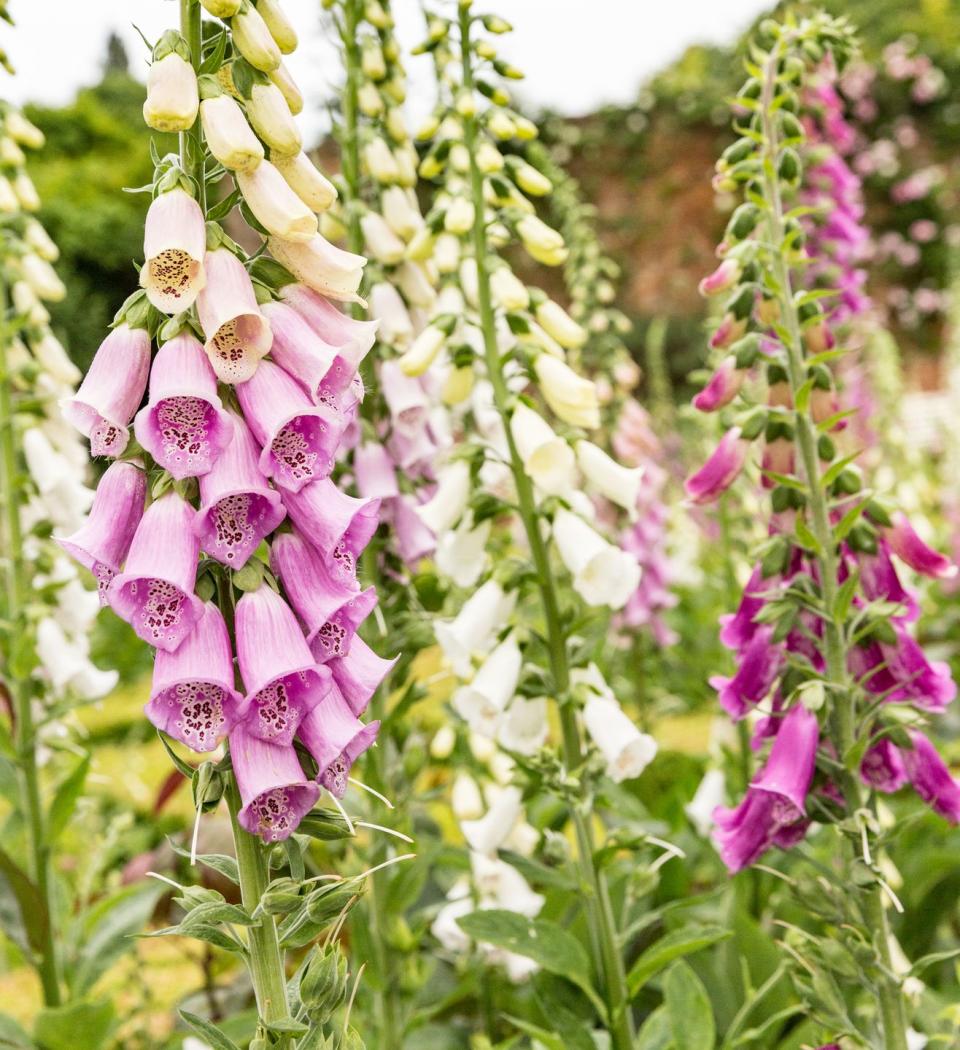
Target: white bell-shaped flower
[(483, 701), (625, 749), (473, 629), (488, 833), (619, 484), (445, 508), (602, 573), (461, 553), (547, 459)]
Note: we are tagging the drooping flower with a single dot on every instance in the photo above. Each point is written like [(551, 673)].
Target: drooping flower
[(720, 470), (723, 387), (282, 679), (617, 483), (358, 674), (449, 501), (573, 398), (760, 661), (471, 632), (154, 593), (481, 703), (602, 573), (352, 338), (322, 266), (406, 399), (461, 553), (236, 332), (102, 543), (183, 426), (274, 790), (172, 98), (111, 391), (309, 184), (909, 548), (192, 697), (299, 438), (301, 353), (228, 135), (931, 778), (547, 459), (237, 506), (275, 205), (336, 738), (174, 244), (625, 749)]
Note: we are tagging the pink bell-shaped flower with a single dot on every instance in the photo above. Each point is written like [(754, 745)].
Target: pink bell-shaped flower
[(720, 470), (359, 674), (336, 738), (302, 354), (352, 338), (174, 244)]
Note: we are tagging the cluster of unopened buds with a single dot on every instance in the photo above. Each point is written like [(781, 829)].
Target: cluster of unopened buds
[(225, 484)]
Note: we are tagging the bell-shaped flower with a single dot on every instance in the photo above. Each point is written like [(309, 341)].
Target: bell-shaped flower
[(388, 307), (626, 751), (279, 25), (414, 539), (424, 350), (374, 472), (461, 553), (253, 40), (500, 885), (602, 573), (237, 506), (236, 332), (102, 543), (274, 790), (473, 630), (352, 338), (53, 359), (547, 459), (909, 548), (282, 679), (407, 400), (111, 391), (900, 672), (183, 426), (417, 285), (299, 439), (338, 525), (723, 278), (67, 664), (445, 926), (558, 324), (336, 738), (401, 211), (329, 609), (192, 697), (322, 266), (174, 245), (488, 833), (710, 793), (172, 98), (49, 469), (723, 387), (931, 778), (779, 457), (309, 184), (541, 241), (449, 500), (380, 242), (154, 593), (228, 135), (573, 398), (883, 767), (275, 205), (525, 726), (305, 356), (508, 291), (721, 469), (358, 674), (773, 810), (759, 664), (881, 582), (482, 703), (619, 484)]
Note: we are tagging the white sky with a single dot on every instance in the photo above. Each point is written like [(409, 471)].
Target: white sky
[(577, 54)]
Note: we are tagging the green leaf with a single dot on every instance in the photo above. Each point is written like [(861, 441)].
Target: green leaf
[(29, 932), (210, 1033), (549, 1040), (688, 1006), (109, 927), (12, 1036), (546, 943), (211, 913), (287, 1025), (324, 824), (672, 946), (185, 768), (218, 862), (655, 1033), (65, 800), (209, 934), (78, 1024)]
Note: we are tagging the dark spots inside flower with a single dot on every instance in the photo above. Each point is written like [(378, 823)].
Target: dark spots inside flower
[(334, 777), (184, 424), (201, 722), (294, 452), (172, 272)]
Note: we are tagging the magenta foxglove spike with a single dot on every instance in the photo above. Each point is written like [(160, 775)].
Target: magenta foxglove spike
[(237, 506), (759, 663), (338, 525), (236, 332), (102, 542), (282, 679), (330, 610), (183, 426), (174, 244), (111, 391), (299, 439), (359, 674), (154, 593), (352, 338), (301, 353), (883, 767), (336, 738), (901, 673), (723, 387), (374, 472), (193, 698), (773, 810), (274, 790)]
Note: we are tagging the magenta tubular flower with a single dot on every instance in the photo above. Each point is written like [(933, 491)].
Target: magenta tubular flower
[(760, 661), (773, 810), (111, 391), (931, 778), (910, 549), (738, 628), (301, 353), (720, 470), (154, 593), (236, 332), (352, 338), (374, 472), (338, 525), (183, 426), (237, 506), (883, 767), (336, 738), (723, 387), (901, 673), (724, 277), (299, 438), (274, 790), (282, 679), (406, 399), (102, 542), (174, 244), (330, 610), (193, 698), (879, 579), (358, 674), (414, 538)]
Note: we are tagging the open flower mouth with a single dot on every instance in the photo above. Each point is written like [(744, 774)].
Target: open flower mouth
[(173, 279), (193, 712), (275, 712), (185, 427), (299, 452), (274, 814), (160, 612), (237, 346), (234, 526)]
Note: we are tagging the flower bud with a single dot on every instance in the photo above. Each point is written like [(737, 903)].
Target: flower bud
[(530, 180), (459, 216), (380, 162), (281, 897), (323, 986), (401, 211), (489, 159), (23, 131), (309, 184), (26, 192), (281, 78), (272, 120), (501, 125), (372, 61), (380, 241), (508, 290), (252, 38), (573, 398), (172, 100), (541, 242), (278, 24), (369, 100), (423, 350), (559, 324), (228, 134), (221, 8)]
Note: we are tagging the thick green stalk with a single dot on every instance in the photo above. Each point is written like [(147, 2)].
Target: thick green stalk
[(842, 697), (350, 130), (191, 142), (25, 739), (603, 931)]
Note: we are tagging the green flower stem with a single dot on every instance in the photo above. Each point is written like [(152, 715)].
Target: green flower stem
[(843, 700), (25, 740), (350, 141), (603, 932), (191, 142)]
